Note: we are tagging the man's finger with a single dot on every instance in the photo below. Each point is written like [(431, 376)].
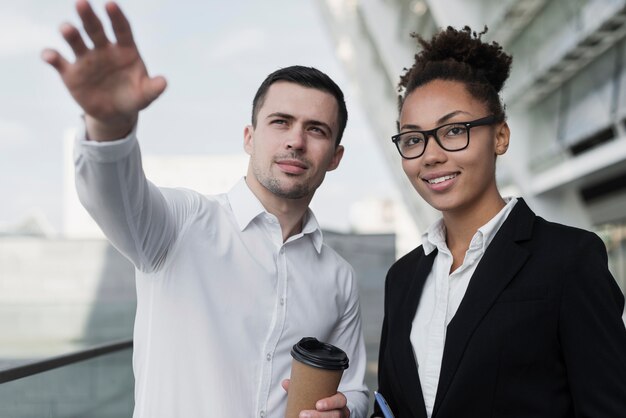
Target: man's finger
[(337, 401), (120, 24), (73, 39), (152, 88), (55, 59), (92, 24)]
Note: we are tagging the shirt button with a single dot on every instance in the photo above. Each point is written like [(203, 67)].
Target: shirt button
[(262, 414), (282, 301), (268, 357)]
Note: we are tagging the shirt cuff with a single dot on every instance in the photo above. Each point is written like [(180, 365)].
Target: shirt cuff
[(104, 151), (350, 406)]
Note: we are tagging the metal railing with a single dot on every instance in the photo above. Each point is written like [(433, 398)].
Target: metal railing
[(40, 366)]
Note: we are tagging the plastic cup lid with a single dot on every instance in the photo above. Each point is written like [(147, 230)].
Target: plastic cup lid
[(314, 353)]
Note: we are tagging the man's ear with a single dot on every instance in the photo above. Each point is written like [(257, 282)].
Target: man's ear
[(248, 139), (503, 134), (334, 163)]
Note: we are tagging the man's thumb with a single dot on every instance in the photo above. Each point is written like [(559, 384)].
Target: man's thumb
[(152, 89)]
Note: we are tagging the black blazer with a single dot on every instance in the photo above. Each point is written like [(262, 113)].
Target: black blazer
[(538, 334)]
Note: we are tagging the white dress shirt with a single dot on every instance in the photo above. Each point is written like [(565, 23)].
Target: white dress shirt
[(221, 299), (441, 296)]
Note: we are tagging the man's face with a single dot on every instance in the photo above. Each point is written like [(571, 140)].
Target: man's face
[(293, 144)]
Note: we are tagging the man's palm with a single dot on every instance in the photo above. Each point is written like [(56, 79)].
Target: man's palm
[(109, 81)]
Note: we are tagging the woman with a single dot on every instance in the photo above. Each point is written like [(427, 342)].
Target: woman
[(499, 313)]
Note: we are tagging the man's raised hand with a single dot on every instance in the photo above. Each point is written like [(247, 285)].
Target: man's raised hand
[(110, 80)]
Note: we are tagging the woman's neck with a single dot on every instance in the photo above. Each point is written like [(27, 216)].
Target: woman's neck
[(461, 225)]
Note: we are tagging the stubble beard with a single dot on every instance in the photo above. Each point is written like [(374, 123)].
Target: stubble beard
[(297, 191)]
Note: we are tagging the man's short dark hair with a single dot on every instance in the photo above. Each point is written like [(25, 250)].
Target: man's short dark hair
[(306, 77)]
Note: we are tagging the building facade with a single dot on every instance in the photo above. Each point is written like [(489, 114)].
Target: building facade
[(566, 97)]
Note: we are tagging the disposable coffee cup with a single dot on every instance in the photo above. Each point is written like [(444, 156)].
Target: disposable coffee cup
[(316, 370)]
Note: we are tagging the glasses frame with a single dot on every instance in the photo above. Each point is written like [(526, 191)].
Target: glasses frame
[(487, 120)]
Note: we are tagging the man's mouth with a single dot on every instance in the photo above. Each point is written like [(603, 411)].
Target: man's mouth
[(292, 166)]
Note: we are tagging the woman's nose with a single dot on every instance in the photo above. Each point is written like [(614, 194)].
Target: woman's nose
[(433, 153)]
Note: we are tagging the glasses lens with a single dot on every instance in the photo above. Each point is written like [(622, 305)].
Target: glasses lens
[(411, 144), (453, 137)]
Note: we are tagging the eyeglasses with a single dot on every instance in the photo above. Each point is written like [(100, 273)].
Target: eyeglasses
[(450, 137)]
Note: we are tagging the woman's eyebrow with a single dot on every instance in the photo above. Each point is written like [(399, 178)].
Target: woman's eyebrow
[(441, 121)]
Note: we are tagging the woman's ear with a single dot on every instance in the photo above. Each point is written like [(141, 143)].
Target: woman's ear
[(503, 133)]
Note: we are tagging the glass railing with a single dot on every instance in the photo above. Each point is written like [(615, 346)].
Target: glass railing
[(96, 383)]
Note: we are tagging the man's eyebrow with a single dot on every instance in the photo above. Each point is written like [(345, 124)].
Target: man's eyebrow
[(280, 115), (441, 121)]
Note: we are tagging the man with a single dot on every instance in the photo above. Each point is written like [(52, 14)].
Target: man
[(225, 284)]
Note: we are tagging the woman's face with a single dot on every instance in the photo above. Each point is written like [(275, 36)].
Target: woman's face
[(459, 181)]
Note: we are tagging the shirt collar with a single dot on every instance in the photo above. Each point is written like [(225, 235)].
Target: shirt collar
[(312, 228), (435, 235), (246, 207), (244, 204), (487, 232)]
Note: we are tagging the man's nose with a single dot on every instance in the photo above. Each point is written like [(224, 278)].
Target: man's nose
[(296, 138)]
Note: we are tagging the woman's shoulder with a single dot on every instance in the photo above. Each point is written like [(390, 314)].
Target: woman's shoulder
[(566, 235), (405, 265)]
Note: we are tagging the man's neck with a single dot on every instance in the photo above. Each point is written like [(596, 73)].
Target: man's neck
[(289, 212)]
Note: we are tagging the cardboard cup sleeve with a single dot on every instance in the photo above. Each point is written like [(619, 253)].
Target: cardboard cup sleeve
[(316, 370)]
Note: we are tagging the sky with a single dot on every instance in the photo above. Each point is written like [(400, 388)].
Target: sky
[(214, 55)]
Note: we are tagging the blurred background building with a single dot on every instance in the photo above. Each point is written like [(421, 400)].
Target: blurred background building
[(65, 288), (566, 97)]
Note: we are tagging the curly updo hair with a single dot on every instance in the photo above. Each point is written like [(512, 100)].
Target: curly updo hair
[(460, 55)]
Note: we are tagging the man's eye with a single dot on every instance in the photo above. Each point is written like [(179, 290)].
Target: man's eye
[(278, 122), (317, 130)]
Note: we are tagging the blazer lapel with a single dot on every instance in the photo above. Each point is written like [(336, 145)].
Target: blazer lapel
[(502, 260), (403, 356)]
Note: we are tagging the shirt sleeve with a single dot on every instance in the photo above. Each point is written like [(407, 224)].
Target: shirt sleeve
[(131, 211), (592, 333), (349, 336)]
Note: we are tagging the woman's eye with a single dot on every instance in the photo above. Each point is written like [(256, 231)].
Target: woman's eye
[(412, 140), (456, 130)]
